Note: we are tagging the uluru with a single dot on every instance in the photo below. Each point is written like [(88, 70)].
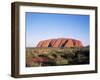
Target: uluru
[(60, 42)]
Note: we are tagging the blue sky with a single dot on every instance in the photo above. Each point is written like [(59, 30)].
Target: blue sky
[(42, 26)]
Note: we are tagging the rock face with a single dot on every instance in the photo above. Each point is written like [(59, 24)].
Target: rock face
[(60, 42)]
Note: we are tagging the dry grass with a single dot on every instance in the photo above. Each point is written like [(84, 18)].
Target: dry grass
[(56, 56)]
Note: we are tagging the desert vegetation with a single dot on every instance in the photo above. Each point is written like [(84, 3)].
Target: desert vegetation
[(56, 56)]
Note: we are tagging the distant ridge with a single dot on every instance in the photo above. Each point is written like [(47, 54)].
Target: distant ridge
[(60, 42)]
